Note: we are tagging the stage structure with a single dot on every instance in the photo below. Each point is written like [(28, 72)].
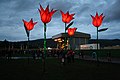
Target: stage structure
[(79, 38)]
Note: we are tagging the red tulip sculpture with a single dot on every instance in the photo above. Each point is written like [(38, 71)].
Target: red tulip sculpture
[(66, 18), (45, 16), (28, 27), (71, 31), (97, 21)]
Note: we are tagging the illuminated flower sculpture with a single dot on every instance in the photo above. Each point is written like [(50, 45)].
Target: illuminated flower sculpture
[(97, 21), (66, 18), (28, 27), (46, 17), (71, 31)]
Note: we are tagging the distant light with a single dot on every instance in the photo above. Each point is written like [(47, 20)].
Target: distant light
[(59, 39), (55, 40), (49, 48)]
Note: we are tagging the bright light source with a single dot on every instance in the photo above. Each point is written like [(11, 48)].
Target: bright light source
[(55, 39)]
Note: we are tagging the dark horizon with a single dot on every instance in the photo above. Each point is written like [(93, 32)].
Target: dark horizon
[(46, 38)]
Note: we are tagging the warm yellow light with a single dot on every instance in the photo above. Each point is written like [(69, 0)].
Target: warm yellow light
[(67, 40), (55, 39), (59, 39)]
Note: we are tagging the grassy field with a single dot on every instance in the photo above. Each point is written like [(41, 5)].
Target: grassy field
[(79, 70)]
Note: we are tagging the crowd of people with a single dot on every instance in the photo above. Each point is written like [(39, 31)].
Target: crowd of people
[(37, 54), (65, 56)]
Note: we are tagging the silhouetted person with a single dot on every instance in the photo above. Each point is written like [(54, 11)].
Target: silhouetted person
[(109, 56), (81, 54), (38, 54), (94, 55), (62, 56), (59, 52), (34, 55), (9, 54), (69, 53), (72, 55)]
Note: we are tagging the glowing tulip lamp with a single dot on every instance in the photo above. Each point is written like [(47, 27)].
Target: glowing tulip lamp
[(97, 21), (45, 16), (66, 18), (28, 27), (71, 31)]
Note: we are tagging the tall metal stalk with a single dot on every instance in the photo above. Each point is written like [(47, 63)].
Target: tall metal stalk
[(44, 55), (97, 45), (65, 37), (28, 46)]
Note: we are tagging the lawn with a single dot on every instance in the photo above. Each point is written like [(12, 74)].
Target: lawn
[(79, 70)]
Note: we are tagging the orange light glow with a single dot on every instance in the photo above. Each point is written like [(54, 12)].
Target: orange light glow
[(29, 25), (97, 20), (46, 15), (66, 17), (71, 31)]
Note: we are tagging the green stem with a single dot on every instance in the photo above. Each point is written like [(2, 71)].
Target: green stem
[(65, 37), (44, 55), (65, 27), (97, 43), (28, 39), (44, 39), (28, 48)]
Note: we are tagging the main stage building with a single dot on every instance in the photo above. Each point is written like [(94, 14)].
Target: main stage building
[(74, 42)]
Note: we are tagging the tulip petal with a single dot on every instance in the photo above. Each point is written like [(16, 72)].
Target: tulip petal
[(52, 12), (46, 15), (97, 20), (41, 8), (71, 31), (29, 25), (47, 9), (92, 17), (66, 17)]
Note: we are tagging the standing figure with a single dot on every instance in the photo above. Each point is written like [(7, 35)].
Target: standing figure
[(72, 55), (109, 57)]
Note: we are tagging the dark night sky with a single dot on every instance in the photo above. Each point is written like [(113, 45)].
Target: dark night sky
[(13, 11)]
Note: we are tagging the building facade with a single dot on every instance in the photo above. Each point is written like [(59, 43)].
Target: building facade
[(73, 42)]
